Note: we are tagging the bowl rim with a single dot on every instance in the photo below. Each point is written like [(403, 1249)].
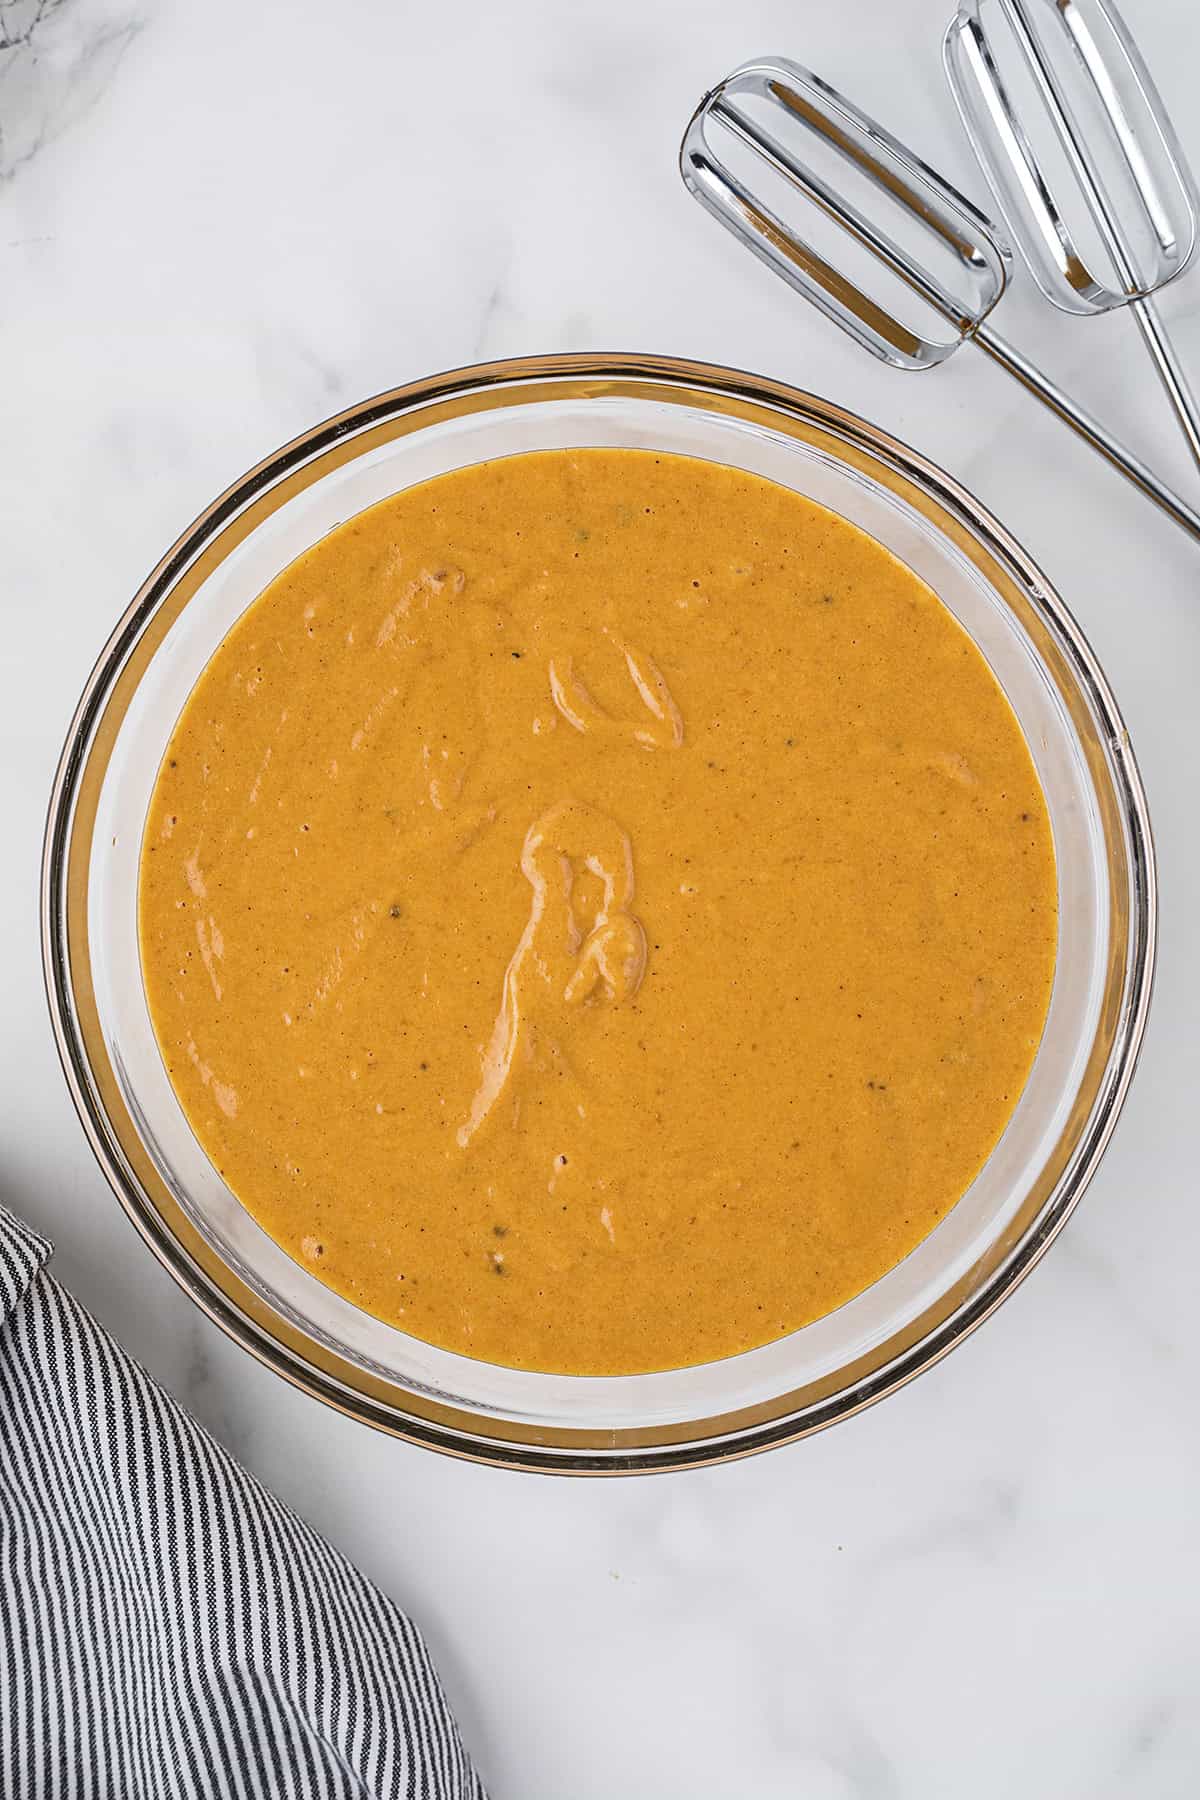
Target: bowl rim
[(776, 396)]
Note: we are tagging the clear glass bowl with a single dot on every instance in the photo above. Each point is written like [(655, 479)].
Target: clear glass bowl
[(277, 1309)]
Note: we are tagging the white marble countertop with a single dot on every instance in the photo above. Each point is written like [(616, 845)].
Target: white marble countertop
[(220, 222)]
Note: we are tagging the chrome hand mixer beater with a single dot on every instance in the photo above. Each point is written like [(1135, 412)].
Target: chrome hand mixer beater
[(790, 124)]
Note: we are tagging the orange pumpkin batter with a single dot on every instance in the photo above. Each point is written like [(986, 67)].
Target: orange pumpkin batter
[(598, 910)]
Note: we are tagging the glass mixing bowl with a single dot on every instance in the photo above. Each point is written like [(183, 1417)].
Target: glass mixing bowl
[(279, 1311)]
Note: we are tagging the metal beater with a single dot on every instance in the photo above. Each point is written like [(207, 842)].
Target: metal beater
[(1148, 234), (751, 106)]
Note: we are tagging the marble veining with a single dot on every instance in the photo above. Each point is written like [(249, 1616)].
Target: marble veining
[(221, 222), (53, 69)]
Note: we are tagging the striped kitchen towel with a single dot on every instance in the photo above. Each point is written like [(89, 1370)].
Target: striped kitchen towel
[(167, 1627)]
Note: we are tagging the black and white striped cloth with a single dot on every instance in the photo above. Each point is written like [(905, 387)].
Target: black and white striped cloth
[(168, 1628)]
